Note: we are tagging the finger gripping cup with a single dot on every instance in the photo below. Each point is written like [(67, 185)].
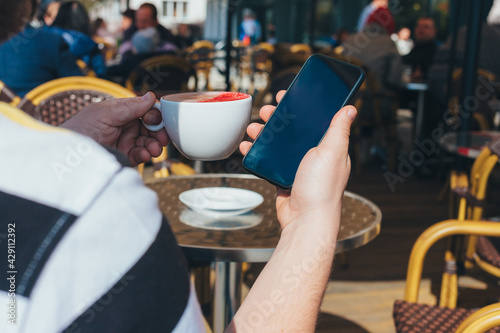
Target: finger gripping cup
[(154, 128)]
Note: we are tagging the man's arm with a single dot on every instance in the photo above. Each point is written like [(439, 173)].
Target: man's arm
[(287, 295)]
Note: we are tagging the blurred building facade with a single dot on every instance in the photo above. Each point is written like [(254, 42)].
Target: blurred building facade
[(289, 21), (170, 13)]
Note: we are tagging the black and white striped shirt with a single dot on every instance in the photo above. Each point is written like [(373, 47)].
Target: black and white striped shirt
[(92, 252)]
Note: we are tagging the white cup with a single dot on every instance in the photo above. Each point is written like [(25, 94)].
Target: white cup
[(201, 129)]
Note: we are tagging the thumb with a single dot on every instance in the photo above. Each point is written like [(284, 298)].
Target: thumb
[(128, 109), (337, 137)]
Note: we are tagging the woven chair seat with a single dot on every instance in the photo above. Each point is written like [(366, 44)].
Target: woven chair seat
[(422, 318), (487, 251), (64, 105)]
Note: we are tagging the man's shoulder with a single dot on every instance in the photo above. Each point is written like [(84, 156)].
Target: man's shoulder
[(50, 160)]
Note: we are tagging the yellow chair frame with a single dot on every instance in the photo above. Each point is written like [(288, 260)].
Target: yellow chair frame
[(481, 320), (48, 89), (472, 192), (303, 49), (433, 234)]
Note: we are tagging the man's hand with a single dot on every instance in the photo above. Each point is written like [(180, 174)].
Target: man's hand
[(323, 173), (116, 123)]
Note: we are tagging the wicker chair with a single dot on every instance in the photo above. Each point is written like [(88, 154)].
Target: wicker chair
[(261, 58), (261, 65), (278, 81), (471, 193), (301, 49), (486, 91), (7, 95), (163, 74), (56, 101), (410, 316), (201, 56)]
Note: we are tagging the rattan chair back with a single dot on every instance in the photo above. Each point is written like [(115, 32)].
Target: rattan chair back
[(201, 56), (302, 49), (262, 58), (56, 101), (487, 91), (163, 74), (411, 316)]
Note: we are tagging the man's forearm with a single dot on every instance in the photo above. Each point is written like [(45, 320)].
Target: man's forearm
[(287, 295)]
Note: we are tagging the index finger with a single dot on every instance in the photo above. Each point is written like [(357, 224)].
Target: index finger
[(267, 110), (280, 95)]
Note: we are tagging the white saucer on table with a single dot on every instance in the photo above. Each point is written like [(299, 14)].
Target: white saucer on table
[(221, 201)]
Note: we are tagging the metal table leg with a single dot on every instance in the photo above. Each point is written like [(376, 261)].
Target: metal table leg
[(227, 290)]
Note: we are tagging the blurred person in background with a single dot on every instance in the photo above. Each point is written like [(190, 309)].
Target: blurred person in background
[(421, 56), (271, 33), (144, 44), (48, 11), (489, 52), (127, 25), (105, 40), (488, 55), (339, 37), (403, 41), (33, 57), (184, 37), (375, 49), (368, 10), (100, 30), (147, 17), (73, 24), (250, 28)]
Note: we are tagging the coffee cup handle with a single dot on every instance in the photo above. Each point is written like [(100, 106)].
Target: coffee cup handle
[(154, 128)]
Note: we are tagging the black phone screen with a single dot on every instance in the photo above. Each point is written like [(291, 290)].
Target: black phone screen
[(321, 88)]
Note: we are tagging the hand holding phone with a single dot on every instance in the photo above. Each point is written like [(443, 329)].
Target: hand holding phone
[(323, 173), (321, 88)]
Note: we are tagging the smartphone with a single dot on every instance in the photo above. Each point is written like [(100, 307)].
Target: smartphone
[(320, 89)]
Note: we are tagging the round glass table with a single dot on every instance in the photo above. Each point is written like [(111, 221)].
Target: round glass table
[(229, 248)]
